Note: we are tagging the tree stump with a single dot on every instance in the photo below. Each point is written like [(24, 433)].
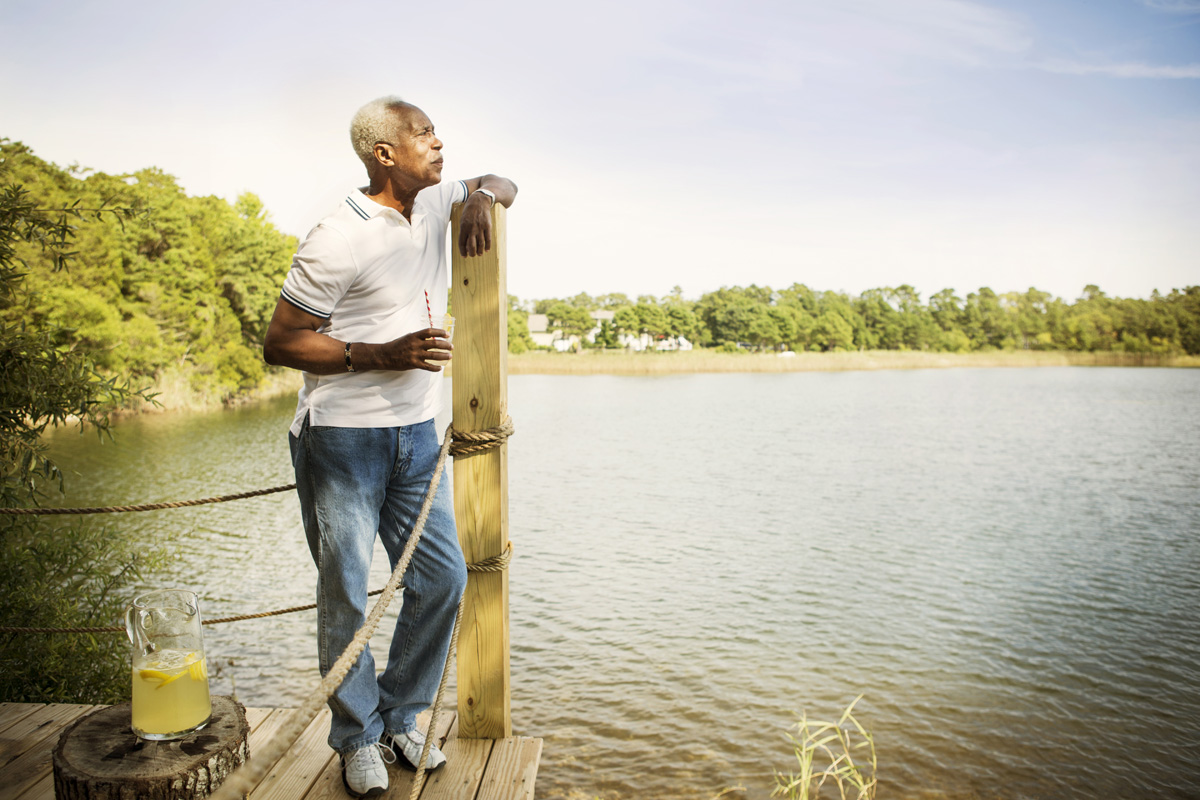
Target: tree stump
[(99, 757)]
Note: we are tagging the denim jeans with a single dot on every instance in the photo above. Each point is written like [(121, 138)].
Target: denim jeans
[(352, 484)]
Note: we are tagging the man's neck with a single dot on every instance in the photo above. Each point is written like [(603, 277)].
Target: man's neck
[(387, 193)]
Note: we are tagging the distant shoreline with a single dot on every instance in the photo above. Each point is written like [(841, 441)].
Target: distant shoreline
[(594, 362), (176, 394)]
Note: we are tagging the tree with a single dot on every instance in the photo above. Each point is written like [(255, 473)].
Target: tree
[(186, 283), (572, 319), (53, 574)]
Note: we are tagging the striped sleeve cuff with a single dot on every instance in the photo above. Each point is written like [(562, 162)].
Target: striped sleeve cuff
[(305, 307)]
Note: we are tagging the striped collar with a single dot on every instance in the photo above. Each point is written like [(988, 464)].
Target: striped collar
[(362, 205)]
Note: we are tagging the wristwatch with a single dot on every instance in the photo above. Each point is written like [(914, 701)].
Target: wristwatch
[(485, 191)]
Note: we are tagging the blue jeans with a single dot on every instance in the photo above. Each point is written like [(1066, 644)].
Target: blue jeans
[(352, 484)]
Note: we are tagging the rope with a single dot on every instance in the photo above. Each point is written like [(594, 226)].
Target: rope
[(464, 444), (493, 564), (145, 506), (419, 779), (468, 443)]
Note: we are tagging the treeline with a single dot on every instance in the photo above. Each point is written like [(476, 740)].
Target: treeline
[(156, 281), (161, 282), (799, 318)]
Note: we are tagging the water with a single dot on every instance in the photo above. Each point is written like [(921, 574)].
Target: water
[(1004, 562)]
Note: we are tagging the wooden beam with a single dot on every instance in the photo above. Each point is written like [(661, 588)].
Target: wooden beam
[(479, 297)]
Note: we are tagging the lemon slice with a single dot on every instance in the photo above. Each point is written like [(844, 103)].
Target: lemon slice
[(171, 678), (198, 670)]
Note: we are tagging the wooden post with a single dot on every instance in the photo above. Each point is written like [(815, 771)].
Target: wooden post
[(480, 380)]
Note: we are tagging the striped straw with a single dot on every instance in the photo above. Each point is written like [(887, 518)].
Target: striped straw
[(428, 309)]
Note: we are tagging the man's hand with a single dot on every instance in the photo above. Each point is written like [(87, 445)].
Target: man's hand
[(411, 351), (475, 231)]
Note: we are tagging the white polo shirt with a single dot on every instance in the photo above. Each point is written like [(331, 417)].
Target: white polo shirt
[(366, 269)]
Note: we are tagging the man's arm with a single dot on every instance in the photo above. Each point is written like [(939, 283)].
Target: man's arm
[(475, 235), (293, 341)]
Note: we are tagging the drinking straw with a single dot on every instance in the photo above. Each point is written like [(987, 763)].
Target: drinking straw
[(428, 310)]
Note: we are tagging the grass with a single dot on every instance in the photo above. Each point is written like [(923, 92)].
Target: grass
[(825, 753), (176, 392), (594, 362)]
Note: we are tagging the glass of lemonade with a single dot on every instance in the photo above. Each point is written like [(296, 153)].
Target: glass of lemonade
[(170, 674)]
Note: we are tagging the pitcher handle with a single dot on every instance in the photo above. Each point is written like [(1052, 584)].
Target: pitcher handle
[(129, 630)]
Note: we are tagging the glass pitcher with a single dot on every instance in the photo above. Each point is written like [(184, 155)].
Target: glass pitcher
[(170, 675)]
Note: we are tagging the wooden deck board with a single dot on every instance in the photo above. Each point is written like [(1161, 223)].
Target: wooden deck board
[(512, 769), (294, 774), (476, 769), (26, 745)]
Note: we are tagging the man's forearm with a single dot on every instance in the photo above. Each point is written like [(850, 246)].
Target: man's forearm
[(504, 189), (306, 350)]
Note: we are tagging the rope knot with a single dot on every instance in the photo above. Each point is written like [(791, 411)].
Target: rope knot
[(468, 443)]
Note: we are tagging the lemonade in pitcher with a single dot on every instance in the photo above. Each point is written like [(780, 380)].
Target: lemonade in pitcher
[(170, 693), (170, 673)]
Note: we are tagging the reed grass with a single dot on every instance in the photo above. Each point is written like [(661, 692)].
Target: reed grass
[(596, 362), (176, 392), (826, 752)]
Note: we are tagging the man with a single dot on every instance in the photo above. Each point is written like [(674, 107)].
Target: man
[(356, 315)]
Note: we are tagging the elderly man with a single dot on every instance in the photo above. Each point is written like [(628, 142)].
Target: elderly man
[(355, 315)]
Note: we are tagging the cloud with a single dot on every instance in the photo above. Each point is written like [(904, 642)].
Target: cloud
[(1121, 70), (1174, 6)]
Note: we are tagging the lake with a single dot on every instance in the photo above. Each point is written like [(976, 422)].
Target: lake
[(1004, 562)]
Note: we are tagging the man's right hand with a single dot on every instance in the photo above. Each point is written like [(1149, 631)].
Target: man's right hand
[(412, 351)]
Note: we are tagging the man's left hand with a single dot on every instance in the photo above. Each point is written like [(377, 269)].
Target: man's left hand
[(475, 231)]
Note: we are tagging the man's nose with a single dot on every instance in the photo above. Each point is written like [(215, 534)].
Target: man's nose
[(437, 143)]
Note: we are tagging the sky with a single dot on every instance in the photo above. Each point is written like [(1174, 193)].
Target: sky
[(845, 145)]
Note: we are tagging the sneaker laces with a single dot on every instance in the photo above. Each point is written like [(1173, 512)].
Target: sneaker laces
[(373, 753)]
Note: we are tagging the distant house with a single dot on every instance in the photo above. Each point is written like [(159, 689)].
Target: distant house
[(538, 325), (544, 336), (598, 319)]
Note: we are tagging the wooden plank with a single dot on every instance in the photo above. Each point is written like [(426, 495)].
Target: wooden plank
[(512, 770), (256, 716), (480, 385), (42, 790), (267, 728), (328, 785), (461, 777), (295, 773), (28, 761), (12, 712), (32, 728)]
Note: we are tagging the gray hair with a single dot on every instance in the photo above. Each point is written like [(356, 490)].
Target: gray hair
[(375, 122)]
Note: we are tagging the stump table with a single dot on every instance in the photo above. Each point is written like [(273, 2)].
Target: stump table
[(99, 758)]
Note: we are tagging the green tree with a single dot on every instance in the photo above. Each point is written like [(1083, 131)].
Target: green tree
[(573, 320), (833, 332), (190, 283), (53, 573)]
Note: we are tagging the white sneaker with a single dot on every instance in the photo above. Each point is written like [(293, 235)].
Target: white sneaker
[(410, 746), (364, 771)]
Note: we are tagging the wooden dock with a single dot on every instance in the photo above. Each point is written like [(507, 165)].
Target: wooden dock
[(476, 769)]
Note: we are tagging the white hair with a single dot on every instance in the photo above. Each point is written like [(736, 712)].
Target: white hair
[(374, 122)]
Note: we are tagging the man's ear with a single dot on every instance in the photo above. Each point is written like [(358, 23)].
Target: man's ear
[(383, 154)]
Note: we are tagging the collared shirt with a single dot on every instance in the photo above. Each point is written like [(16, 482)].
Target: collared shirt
[(366, 270)]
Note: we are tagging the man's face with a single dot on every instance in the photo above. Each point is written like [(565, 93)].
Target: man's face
[(416, 149)]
